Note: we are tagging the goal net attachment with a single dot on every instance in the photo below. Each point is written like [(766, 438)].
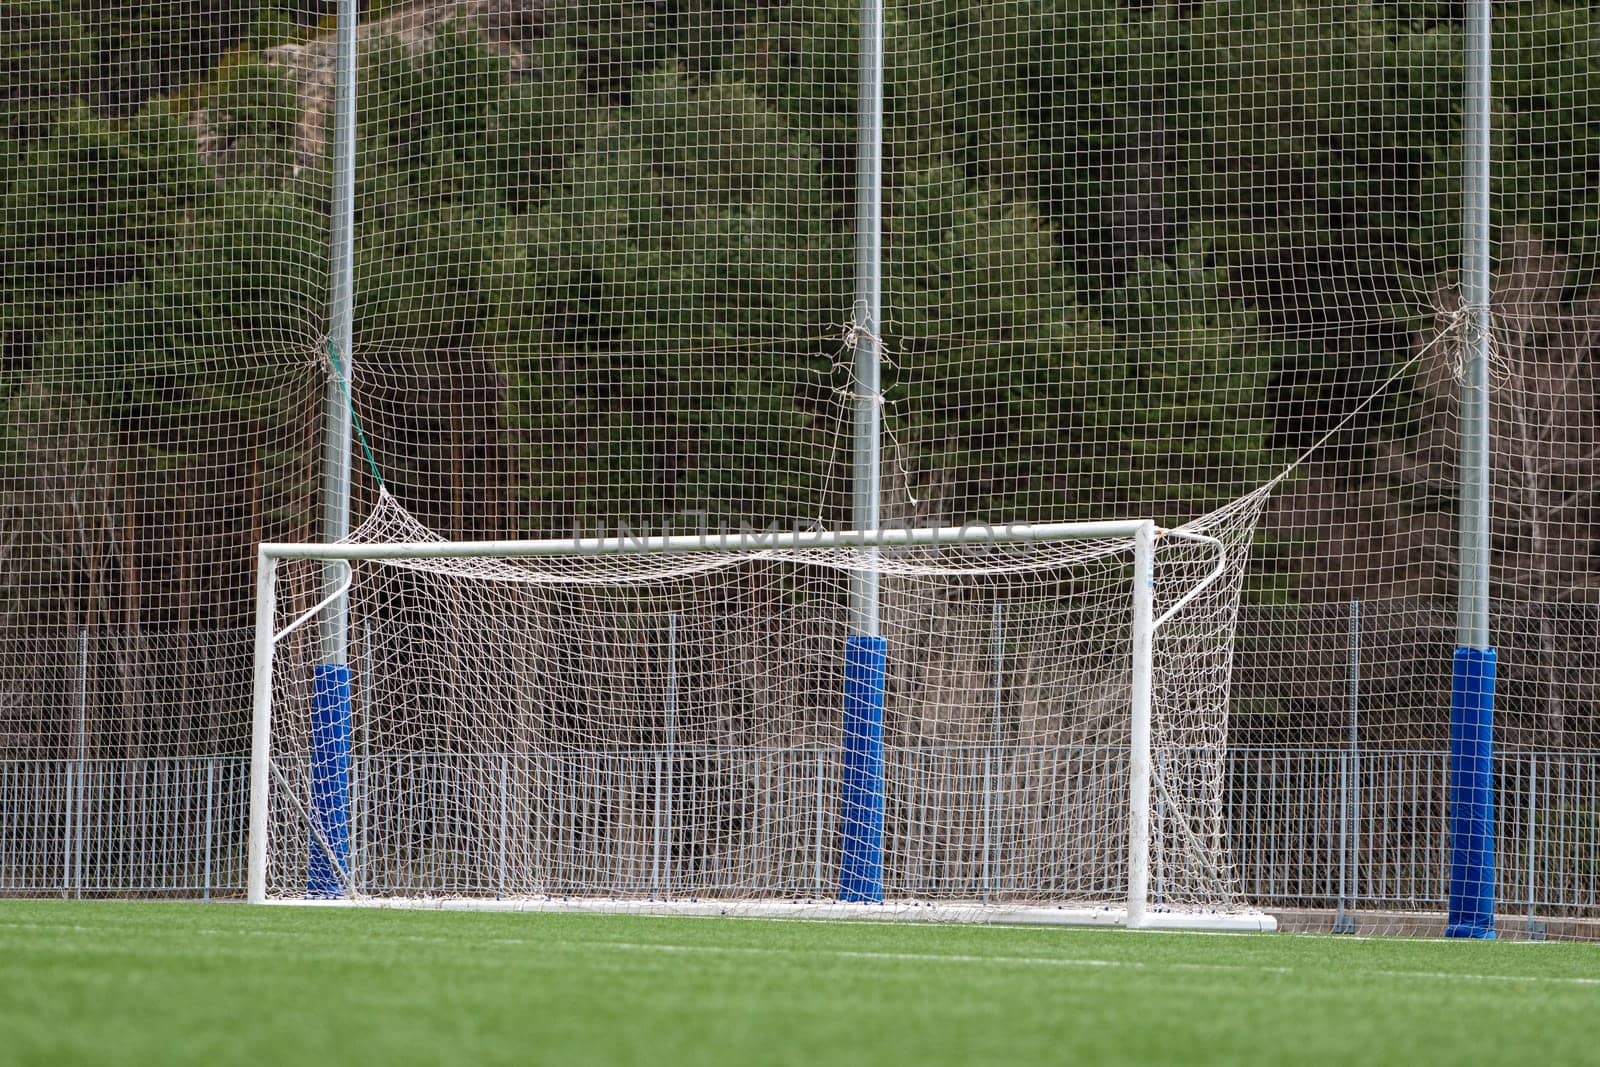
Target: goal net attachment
[(684, 724)]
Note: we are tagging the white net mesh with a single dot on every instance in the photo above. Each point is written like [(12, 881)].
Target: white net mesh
[(669, 727)]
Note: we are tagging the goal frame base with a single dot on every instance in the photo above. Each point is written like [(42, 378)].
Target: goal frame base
[(1244, 921)]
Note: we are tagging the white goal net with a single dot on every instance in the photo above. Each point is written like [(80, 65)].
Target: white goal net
[(666, 729)]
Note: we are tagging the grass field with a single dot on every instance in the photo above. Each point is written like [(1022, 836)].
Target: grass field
[(190, 983)]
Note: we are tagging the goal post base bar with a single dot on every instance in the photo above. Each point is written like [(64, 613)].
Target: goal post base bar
[(826, 910)]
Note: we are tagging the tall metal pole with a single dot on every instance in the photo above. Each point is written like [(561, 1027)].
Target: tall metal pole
[(867, 314), (330, 772), (862, 798), (1472, 620), (1472, 831), (336, 406)]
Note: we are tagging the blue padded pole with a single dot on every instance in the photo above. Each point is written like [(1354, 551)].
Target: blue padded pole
[(330, 782), (1472, 830), (861, 798), (1472, 833), (330, 759), (861, 802)]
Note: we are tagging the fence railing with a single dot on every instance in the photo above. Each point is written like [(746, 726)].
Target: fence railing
[(1308, 827), (1367, 828), (123, 827)]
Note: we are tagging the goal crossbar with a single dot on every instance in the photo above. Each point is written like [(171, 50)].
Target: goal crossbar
[(745, 541)]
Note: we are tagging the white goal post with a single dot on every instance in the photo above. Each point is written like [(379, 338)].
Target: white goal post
[(302, 794)]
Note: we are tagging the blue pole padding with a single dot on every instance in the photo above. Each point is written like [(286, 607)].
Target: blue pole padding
[(861, 803), (330, 781), (1472, 832)]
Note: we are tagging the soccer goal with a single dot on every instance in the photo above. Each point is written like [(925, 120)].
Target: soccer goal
[(692, 724)]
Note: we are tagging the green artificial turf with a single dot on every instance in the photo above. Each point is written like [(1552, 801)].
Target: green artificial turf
[(192, 983)]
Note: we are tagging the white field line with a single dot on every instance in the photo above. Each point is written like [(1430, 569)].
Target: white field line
[(1080, 961), (939, 957), (890, 957)]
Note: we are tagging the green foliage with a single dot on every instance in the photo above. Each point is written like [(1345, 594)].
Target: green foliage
[(145, 51), (622, 255), (694, 205), (254, 111), (43, 62), (91, 208), (1546, 72), (265, 295)]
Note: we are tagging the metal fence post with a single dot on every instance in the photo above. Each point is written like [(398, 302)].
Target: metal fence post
[(1343, 921), (1350, 787), (69, 803), (505, 824), (211, 784), (76, 780), (991, 758), (1535, 930), (822, 803), (671, 755)]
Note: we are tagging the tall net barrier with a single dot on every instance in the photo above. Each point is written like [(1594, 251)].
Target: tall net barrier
[(628, 730), (157, 419), (1138, 260)]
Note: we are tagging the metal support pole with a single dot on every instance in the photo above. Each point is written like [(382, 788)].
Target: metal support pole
[(862, 800), (1535, 929), (1343, 922), (83, 758), (505, 825), (330, 771), (1143, 668), (1355, 755), (822, 811), (659, 821), (341, 305), (991, 770), (211, 803), (672, 753), (261, 727), (66, 842), (1472, 830), (866, 317)]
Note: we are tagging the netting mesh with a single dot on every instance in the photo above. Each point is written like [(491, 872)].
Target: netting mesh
[(1138, 258), (659, 727)]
